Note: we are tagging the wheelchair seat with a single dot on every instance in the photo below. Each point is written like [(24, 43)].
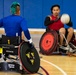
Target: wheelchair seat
[(10, 45), (13, 48)]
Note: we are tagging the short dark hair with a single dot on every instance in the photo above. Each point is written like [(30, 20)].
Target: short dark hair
[(56, 5)]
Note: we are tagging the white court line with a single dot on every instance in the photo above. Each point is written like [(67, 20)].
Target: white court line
[(64, 73)]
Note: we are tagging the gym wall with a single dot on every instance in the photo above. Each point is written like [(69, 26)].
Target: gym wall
[(35, 11)]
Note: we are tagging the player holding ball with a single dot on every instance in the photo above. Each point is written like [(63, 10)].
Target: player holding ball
[(55, 22)]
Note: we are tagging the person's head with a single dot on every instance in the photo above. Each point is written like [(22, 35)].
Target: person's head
[(15, 8), (55, 10)]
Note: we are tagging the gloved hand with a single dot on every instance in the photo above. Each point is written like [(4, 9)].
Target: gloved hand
[(31, 45)]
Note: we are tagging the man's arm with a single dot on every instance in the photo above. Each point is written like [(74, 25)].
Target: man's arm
[(27, 34), (25, 30), (48, 20), (70, 23)]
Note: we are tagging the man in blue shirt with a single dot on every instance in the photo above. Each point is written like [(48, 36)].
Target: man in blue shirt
[(15, 24)]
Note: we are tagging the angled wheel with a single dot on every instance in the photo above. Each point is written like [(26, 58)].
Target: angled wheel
[(48, 42), (29, 58)]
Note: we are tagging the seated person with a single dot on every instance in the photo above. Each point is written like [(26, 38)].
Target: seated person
[(14, 24), (53, 22)]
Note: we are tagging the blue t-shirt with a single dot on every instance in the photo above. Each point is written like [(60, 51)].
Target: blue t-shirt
[(13, 25)]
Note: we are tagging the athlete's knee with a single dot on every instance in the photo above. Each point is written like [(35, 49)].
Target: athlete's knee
[(71, 30), (62, 31)]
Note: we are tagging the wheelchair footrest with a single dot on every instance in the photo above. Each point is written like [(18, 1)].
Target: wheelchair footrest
[(9, 66)]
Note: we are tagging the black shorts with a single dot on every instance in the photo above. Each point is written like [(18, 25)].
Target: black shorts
[(65, 33), (47, 29)]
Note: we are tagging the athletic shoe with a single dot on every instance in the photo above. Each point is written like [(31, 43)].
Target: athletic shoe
[(65, 48), (72, 46)]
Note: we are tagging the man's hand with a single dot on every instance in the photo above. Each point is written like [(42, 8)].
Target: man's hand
[(31, 45)]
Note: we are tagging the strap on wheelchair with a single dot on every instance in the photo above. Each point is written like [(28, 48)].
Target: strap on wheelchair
[(10, 40), (7, 45)]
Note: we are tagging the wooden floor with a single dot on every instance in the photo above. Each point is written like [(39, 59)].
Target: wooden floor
[(60, 65), (53, 64)]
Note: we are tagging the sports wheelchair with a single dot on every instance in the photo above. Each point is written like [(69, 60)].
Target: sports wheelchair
[(49, 44), (16, 55)]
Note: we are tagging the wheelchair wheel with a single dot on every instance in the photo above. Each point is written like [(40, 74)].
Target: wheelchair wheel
[(48, 42), (29, 58), (73, 40)]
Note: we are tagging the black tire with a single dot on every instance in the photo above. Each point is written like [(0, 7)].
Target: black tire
[(27, 65)]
